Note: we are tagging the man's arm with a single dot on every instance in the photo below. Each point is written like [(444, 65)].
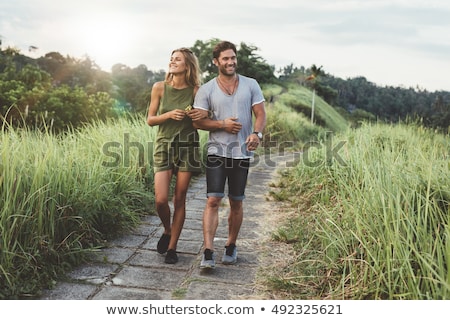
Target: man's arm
[(260, 117), (230, 125), (208, 124), (253, 140)]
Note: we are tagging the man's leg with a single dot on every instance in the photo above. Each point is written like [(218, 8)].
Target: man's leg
[(211, 221), (234, 220), (237, 181), (215, 185)]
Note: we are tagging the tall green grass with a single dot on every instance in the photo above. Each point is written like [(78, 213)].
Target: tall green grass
[(373, 224), (63, 194)]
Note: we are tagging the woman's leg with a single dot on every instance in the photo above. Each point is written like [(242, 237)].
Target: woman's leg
[(162, 185), (179, 204)]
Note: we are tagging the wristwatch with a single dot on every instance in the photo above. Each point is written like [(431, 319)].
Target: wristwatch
[(259, 134)]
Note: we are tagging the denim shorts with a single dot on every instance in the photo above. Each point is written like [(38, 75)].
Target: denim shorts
[(219, 169)]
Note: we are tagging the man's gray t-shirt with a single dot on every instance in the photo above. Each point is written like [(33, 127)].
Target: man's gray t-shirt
[(221, 106)]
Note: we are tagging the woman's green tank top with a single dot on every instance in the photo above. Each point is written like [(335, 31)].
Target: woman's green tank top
[(172, 130)]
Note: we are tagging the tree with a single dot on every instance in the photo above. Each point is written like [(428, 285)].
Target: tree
[(133, 86), (252, 65), (30, 95), (203, 51), (249, 63)]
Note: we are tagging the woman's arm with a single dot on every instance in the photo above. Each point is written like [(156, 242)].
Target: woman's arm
[(153, 118), (195, 113)]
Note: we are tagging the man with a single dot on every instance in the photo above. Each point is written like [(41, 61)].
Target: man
[(232, 100)]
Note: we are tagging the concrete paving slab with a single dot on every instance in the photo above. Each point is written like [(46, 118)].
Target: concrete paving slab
[(210, 290), (193, 224), (70, 291), (193, 235), (150, 278), (93, 273), (130, 241), (188, 246), (112, 255), (145, 229), (227, 274), (123, 293), (146, 258)]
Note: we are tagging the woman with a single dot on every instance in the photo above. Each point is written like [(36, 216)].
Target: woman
[(176, 151)]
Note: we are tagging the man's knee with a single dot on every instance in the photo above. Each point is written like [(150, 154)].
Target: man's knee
[(214, 202), (235, 205)]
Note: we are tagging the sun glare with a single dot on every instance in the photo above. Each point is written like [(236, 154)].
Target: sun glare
[(104, 39)]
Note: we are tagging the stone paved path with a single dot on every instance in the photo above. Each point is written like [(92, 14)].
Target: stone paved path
[(129, 268)]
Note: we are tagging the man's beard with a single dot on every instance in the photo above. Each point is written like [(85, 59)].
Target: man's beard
[(224, 70)]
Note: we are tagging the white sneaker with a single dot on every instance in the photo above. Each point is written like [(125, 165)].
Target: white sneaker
[(230, 254), (208, 260)]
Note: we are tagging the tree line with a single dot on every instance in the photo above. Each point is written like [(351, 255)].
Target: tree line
[(361, 100), (56, 91)]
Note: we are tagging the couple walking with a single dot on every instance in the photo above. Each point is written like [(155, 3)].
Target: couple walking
[(224, 106)]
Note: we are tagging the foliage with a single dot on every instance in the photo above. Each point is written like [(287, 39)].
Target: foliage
[(249, 63), (288, 127), (62, 195), (203, 50), (24, 81), (393, 104), (312, 77), (373, 220), (372, 102), (133, 86), (52, 92), (299, 99)]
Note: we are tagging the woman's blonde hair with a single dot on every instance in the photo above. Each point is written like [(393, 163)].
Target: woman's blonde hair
[(193, 76)]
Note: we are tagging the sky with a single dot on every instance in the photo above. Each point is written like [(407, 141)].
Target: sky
[(403, 43)]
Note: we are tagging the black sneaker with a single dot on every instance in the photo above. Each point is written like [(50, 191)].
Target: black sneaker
[(163, 243), (171, 257)]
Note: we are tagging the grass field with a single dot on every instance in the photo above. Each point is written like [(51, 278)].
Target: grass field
[(61, 195), (372, 220), (371, 205)]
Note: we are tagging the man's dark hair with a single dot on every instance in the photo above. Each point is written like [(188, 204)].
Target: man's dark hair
[(222, 46)]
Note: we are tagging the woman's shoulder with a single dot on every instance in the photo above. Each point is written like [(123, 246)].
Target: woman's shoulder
[(196, 89), (159, 85)]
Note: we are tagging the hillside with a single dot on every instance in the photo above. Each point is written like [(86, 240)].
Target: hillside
[(289, 111)]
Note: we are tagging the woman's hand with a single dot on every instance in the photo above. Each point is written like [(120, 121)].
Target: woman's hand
[(177, 114), (197, 114)]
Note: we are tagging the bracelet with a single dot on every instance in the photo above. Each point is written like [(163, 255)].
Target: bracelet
[(223, 124)]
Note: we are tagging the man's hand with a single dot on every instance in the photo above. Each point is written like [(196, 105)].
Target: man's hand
[(252, 142), (230, 125)]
